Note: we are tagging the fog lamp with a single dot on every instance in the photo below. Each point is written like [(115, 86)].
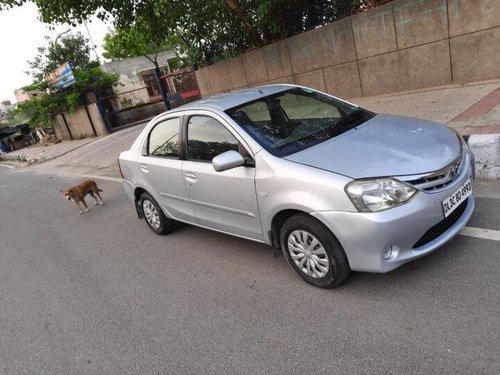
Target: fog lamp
[(390, 253)]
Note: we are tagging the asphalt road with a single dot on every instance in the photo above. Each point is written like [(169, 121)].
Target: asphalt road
[(98, 157), (100, 293)]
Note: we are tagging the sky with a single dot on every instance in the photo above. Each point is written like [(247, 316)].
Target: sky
[(21, 33)]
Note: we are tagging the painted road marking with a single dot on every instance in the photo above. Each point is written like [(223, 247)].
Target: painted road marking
[(7, 166), (114, 179), (89, 176), (487, 234)]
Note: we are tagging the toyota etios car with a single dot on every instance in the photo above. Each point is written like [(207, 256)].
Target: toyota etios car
[(332, 186)]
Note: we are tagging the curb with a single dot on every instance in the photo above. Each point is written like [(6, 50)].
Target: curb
[(23, 158), (486, 149), (76, 148)]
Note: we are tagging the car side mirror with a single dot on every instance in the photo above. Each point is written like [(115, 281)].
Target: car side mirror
[(228, 160)]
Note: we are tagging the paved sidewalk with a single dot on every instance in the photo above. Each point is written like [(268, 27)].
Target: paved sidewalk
[(38, 153), (470, 108), (99, 157)]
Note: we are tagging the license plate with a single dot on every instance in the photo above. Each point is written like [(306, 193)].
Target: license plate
[(454, 200)]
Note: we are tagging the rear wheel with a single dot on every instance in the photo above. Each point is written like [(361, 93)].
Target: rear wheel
[(313, 251), (154, 216)]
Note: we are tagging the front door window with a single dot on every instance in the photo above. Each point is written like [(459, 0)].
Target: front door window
[(208, 138)]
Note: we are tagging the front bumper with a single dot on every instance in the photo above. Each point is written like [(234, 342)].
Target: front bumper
[(365, 236)]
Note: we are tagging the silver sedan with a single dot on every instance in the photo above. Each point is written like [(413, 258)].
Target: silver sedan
[(331, 186)]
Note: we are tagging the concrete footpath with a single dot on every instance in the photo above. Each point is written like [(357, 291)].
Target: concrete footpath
[(39, 153), (471, 109)]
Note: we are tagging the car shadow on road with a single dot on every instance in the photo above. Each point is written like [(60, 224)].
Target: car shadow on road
[(453, 265), (442, 267)]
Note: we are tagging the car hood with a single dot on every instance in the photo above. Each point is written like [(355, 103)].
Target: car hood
[(385, 145)]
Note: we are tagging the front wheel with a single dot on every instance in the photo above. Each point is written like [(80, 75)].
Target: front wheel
[(314, 252), (154, 216)]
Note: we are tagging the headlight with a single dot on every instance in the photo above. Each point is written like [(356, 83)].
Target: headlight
[(378, 194)]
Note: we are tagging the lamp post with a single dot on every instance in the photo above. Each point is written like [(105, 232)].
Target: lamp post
[(61, 34)]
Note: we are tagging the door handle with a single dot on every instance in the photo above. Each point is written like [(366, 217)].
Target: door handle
[(190, 177), (144, 168)]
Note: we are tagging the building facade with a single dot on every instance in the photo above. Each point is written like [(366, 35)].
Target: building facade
[(137, 72)]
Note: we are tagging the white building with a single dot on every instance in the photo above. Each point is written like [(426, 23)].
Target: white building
[(137, 72)]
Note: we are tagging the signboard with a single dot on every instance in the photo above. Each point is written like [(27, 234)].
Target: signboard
[(62, 76)]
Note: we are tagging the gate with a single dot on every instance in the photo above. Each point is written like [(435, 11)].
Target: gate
[(143, 103), (181, 86)]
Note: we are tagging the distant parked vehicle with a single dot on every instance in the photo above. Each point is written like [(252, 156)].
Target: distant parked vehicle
[(332, 186)]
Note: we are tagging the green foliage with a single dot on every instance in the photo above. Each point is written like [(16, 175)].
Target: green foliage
[(40, 109), (13, 117), (204, 30), (178, 63), (69, 48), (89, 78), (136, 40), (141, 39), (94, 80)]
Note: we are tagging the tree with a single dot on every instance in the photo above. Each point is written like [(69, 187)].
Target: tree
[(70, 48), (13, 117), (136, 40), (207, 30), (196, 29), (89, 78)]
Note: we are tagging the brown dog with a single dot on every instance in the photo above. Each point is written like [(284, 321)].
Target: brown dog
[(77, 194)]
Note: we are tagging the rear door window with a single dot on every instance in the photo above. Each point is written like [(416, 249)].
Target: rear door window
[(164, 139)]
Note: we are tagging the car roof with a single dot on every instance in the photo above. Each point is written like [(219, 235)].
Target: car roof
[(232, 99)]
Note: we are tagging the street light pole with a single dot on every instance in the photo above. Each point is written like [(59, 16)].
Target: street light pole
[(91, 41), (61, 34)]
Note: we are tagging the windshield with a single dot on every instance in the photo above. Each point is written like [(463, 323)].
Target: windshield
[(296, 119)]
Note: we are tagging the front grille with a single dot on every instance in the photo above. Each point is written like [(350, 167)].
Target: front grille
[(440, 179), (442, 226), (434, 182)]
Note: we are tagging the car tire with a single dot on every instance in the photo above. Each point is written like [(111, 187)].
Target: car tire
[(322, 263), (154, 216)]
